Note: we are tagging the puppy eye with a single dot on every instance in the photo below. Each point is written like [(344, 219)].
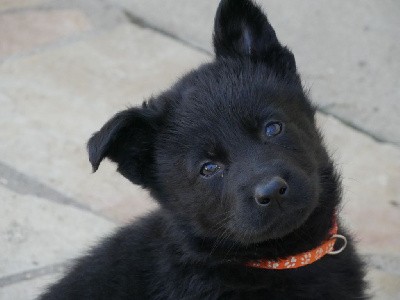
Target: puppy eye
[(273, 129), (209, 169)]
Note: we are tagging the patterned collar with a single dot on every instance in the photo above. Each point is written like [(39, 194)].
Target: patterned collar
[(305, 258)]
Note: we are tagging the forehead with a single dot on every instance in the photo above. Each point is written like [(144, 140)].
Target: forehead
[(230, 95)]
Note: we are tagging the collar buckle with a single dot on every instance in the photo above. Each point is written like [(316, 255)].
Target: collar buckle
[(340, 250)]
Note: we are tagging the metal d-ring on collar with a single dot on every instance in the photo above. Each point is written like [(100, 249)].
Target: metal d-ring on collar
[(343, 238)]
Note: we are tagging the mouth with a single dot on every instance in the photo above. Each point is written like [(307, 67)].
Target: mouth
[(278, 228)]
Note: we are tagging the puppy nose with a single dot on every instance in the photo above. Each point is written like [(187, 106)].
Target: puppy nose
[(274, 189)]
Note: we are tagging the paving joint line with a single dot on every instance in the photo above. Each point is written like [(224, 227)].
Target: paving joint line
[(34, 273), (356, 127), (138, 21), (23, 184)]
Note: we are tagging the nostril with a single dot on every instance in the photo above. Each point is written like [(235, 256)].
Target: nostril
[(263, 200), (282, 190)]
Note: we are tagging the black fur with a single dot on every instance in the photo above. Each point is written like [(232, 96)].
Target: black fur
[(196, 245)]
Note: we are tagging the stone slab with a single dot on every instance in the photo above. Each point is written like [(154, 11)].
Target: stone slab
[(53, 101), (371, 173), (383, 285), (27, 289), (35, 232), (346, 50), (22, 31), (20, 4)]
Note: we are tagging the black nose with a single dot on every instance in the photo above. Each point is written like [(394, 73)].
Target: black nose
[(274, 189)]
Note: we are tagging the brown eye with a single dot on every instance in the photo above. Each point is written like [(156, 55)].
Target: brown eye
[(273, 129), (209, 169)]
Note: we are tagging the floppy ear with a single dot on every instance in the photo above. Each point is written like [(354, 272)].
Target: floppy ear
[(128, 139), (241, 29)]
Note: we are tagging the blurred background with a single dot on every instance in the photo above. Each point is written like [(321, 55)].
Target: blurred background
[(68, 66)]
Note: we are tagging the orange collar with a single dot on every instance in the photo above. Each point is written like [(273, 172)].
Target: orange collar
[(305, 258)]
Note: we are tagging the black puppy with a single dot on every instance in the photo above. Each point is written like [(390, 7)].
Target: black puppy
[(248, 193)]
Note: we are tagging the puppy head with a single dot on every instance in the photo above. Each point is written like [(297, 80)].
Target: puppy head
[(232, 148)]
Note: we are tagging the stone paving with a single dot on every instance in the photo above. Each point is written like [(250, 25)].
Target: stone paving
[(67, 66)]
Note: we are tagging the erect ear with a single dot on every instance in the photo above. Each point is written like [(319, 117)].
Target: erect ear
[(241, 29), (128, 139)]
